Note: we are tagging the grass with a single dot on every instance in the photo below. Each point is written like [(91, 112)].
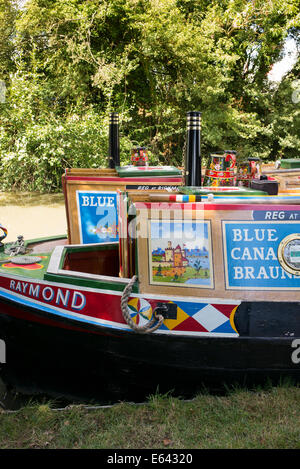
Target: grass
[(242, 419)]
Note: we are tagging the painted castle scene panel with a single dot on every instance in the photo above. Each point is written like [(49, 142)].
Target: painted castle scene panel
[(180, 253)]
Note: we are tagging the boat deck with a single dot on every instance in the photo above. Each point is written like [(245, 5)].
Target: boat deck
[(36, 248), (35, 270)]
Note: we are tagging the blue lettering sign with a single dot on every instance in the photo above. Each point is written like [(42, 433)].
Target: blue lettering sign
[(251, 255), (97, 216)]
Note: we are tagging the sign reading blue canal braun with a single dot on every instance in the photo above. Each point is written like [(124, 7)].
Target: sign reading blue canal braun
[(98, 216), (252, 252)]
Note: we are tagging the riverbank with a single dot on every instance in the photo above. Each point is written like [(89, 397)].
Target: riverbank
[(264, 419), (32, 215)]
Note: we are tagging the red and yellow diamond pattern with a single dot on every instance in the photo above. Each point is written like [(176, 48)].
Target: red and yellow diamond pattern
[(191, 316)]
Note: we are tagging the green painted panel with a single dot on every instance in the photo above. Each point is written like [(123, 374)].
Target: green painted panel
[(36, 270), (147, 171), (238, 191), (90, 283), (290, 163)]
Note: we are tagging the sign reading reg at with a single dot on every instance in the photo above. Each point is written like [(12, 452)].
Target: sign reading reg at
[(97, 216)]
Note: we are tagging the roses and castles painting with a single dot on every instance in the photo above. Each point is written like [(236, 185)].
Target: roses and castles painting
[(181, 253)]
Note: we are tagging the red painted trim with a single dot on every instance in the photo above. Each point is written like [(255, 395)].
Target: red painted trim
[(204, 206), (250, 207), (17, 311), (141, 180)]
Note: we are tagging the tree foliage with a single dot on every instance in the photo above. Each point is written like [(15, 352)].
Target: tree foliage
[(68, 63)]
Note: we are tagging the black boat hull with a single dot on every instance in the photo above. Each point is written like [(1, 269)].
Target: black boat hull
[(92, 363)]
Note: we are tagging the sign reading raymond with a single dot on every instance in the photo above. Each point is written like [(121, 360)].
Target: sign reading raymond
[(251, 255), (97, 216)]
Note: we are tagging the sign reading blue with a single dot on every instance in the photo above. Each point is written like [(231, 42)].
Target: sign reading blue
[(251, 255), (97, 216)]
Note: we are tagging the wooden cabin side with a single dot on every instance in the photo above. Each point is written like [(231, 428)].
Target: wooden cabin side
[(90, 194), (99, 260), (245, 244), (244, 257)]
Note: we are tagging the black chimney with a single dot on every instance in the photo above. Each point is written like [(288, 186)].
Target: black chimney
[(114, 145), (193, 151)]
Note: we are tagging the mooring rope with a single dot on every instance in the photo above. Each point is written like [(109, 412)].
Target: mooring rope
[(151, 326)]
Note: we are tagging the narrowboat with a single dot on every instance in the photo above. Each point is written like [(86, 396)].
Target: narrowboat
[(168, 280)]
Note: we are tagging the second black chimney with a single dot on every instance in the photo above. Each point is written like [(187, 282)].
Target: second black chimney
[(193, 150), (114, 145)]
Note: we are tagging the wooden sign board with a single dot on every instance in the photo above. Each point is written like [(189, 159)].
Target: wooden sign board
[(218, 250), (91, 201)]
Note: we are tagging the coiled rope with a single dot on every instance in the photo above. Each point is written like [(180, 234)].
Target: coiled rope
[(151, 326)]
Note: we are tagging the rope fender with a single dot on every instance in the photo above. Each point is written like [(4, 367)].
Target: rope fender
[(151, 326)]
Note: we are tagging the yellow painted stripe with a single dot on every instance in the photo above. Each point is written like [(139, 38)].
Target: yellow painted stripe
[(232, 318)]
